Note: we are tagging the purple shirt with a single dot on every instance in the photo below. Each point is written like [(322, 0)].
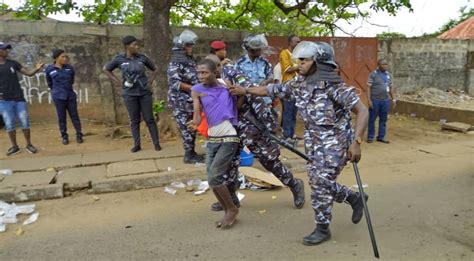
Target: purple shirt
[(217, 104)]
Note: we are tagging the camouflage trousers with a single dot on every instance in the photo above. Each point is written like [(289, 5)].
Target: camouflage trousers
[(324, 188), (188, 137), (266, 151)]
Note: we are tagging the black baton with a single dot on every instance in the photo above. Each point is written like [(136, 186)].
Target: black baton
[(366, 210)]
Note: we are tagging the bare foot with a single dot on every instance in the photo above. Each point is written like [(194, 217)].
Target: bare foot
[(229, 218)]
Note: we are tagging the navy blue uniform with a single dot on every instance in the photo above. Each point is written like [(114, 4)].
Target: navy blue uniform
[(136, 94), (60, 81)]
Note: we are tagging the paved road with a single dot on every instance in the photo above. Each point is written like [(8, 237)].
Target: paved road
[(421, 206)]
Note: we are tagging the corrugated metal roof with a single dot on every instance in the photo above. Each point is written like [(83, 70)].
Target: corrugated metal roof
[(464, 30)]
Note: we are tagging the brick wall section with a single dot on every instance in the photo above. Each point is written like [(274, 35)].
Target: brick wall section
[(423, 63)]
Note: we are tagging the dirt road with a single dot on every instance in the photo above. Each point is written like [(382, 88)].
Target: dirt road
[(421, 202)]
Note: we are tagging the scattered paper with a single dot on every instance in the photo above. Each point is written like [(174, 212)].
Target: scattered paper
[(203, 187), (31, 219), (96, 198), (6, 172), (262, 211), (274, 197), (197, 199), (240, 196), (363, 186), (178, 185), (170, 190)]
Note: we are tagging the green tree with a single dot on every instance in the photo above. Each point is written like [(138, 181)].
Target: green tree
[(276, 17), (390, 35)]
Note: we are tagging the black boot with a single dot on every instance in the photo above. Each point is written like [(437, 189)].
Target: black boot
[(298, 193), (201, 158), (190, 157), (355, 201), (319, 235), (218, 207)]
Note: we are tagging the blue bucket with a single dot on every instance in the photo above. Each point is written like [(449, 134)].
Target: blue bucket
[(246, 159)]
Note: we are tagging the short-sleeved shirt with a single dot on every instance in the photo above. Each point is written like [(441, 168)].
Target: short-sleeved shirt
[(257, 70), (60, 81), (217, 104), (10, 89), (379, 84), (133, 70)]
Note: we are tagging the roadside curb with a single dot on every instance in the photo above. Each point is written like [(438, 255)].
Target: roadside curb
[(118, 184)]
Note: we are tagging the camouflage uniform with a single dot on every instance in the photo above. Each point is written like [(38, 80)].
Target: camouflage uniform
[(326, 111), (181, 101), (264, 149)]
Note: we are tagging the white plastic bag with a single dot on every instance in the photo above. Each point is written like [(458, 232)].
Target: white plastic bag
[(31, 219), (170, 190)]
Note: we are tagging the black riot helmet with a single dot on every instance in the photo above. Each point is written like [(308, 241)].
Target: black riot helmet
[(325, 54)]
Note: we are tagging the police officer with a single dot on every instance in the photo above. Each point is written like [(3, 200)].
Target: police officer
[(60, 78), (325, 104), (136, 89), (181, 77), (264, 149)]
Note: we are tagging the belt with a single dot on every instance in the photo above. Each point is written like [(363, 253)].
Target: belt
[(223, 139)]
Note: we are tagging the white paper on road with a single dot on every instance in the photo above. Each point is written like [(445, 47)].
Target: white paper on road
[(31, 219), (203, 187), (3, 227), (170, 190), (178, 185), (240, 196), (363, 186)]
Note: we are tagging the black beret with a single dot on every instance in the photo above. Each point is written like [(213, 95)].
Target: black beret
[(129, 39)]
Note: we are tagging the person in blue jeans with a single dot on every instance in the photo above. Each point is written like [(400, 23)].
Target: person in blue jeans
[(13, 105), (380, 92), (60, 78)]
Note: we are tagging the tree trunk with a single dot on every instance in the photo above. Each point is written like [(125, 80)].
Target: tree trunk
[(158, 38)]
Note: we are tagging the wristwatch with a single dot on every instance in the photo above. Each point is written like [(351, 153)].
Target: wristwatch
[(358, 140)]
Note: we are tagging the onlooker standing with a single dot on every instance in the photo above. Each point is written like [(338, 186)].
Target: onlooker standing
[(60, 78), (136, 90), (288, 72), (380, 91), (13, 105)]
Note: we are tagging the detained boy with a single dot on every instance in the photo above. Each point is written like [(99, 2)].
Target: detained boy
[(220, 109)]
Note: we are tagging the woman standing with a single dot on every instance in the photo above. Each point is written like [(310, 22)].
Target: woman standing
[(60, 78), (136, 89)]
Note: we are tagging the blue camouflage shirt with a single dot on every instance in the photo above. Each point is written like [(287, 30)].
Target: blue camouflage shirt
[(181, 72), (257, 71), (326, 111)]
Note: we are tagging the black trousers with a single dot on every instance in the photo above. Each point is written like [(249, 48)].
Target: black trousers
[(138, 106), (64, 107)]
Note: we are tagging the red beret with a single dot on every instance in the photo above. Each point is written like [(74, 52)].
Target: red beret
[(217, 45)]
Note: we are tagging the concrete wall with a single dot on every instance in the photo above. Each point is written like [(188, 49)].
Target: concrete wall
[(89, 47), (423, 63)]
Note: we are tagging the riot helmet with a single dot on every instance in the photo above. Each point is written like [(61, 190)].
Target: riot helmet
[(255, 42), (325, 54), (305, 49), (186, 37)]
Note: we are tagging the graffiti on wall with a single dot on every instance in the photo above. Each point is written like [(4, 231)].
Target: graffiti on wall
[(35, 89)]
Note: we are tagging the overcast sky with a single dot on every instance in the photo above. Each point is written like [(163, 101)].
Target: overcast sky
[(427, 17)]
